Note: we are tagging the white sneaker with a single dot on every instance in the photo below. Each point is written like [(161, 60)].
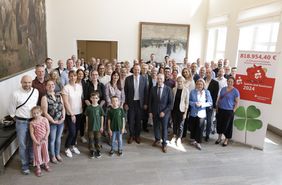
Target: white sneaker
[(68, 153), (83, 139), (198, 146), (75, 150)]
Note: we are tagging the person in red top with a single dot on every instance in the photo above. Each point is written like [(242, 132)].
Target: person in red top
[(39, 82), (39, 132)]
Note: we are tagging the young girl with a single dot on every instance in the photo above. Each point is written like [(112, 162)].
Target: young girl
[(39, 132)]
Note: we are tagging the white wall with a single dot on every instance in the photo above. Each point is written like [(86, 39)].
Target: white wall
[(232, 9), (71, 20), (118, 20)]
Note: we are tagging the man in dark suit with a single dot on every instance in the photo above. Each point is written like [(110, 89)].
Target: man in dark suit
[(213, 87), (135, 89), (145, 115), (160, 106)]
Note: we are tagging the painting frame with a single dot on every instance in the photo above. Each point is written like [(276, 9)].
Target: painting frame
[(23, 40), (163, 39)]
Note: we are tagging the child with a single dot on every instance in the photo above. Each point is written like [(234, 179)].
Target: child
[(116, 124), (94, 124), (39, 132)]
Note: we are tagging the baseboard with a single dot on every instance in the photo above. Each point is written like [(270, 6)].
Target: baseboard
[(275, 130)]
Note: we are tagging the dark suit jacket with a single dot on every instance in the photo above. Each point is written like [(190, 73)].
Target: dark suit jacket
[(213, 88), (164, 104), (196, 77), (129, 91)]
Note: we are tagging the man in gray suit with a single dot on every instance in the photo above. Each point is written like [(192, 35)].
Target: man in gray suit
[(135, 90), (160, 106)]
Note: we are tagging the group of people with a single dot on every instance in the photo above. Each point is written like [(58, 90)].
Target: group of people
[(102, 97)]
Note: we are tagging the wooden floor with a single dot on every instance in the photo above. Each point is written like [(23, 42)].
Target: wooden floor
[(146, 165)]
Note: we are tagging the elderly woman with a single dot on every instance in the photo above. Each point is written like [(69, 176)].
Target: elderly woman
[(72, 96), (53, 108), (200, 98), (226, 105), (180, 108)]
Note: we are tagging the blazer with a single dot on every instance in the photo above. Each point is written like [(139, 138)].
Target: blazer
[(157, 106), (129, 91), (184, 100), (194, 98), (213, 88)]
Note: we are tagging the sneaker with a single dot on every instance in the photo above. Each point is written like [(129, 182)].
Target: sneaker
[(111, 153), (97, 154), (120, 153), (68, 153), (91, 154), (26, 172), (75, 150), (83, 139), (193, 143), (198, 146)]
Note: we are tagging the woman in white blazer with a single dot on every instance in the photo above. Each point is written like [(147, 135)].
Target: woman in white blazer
[(180, 108)]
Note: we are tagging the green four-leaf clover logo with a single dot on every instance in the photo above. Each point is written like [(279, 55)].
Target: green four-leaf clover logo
[(247, 119)]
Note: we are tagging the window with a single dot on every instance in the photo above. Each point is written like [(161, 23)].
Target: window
[(216, 43), (259, 37)]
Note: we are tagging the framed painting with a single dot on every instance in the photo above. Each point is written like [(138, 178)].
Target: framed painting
[(23, 42), (164, 40)]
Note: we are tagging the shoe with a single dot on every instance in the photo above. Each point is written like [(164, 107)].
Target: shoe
[(59, 158), (26, 172), (75, 150), (218, 141), (164, 149), (198, 146), (130, 139), (111, 152), (91, 154), (225, 143), (178, 142), (54, 160), (46, 167), (207, 138), (138, 140), (120, 153), (68, 153), (193, 142), (156, 143), (83, 139), (38, 172), (97, 154)]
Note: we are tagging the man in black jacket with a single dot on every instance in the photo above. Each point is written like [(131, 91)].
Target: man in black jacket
[(213, 86)]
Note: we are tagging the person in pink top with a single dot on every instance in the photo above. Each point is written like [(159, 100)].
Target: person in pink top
[(39, 132)]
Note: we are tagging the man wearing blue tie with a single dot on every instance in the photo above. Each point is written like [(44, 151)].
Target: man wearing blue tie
[(160, 106)]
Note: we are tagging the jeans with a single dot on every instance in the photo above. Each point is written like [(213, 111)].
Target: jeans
[(116, 135), (161, 124), (25, 143), (209, 119), (56, 131)]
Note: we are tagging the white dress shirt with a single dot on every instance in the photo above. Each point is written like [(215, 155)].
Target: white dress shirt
[(136, 87)]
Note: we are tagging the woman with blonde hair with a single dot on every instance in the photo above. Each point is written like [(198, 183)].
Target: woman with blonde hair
[(199, 100)]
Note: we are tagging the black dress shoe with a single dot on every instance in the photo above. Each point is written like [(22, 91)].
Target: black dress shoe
[(218, 141)]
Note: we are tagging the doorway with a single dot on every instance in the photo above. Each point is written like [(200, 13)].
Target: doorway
[(98, 49)]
